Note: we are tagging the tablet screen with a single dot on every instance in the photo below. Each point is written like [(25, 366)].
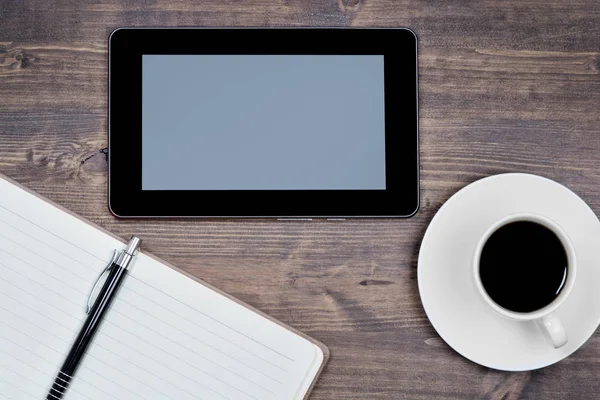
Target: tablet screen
[(263, 122)]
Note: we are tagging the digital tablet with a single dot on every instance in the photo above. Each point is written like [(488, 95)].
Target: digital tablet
[(263, 122)]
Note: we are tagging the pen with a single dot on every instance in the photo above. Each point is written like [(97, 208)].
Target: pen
[(117, 270)]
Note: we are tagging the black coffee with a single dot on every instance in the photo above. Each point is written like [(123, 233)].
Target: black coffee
[(523, 266)]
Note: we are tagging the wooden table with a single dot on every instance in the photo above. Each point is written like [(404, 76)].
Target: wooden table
[(505, 85)]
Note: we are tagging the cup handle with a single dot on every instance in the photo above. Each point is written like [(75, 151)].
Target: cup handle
[(553, 330)]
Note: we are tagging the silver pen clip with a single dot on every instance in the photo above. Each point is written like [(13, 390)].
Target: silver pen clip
[(89, 302)]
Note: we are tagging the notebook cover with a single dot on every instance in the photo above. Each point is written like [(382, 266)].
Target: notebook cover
[(323, 348)]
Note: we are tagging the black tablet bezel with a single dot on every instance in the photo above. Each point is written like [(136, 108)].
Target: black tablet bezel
[(126, 197)]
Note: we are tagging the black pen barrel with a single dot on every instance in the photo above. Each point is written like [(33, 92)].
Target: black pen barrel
[(59, 387), (85, 336)]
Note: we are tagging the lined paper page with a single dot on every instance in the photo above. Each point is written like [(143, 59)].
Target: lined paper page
[(165, 337)]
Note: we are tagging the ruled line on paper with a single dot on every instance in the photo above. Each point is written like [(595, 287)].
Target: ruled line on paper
[(44, 243), (43, 344), (18, 387), (38, 341), (159, 340), (38, 384), (83, 278), (158, 290), (110, 351), (147, 327), (151, 344), (50, 363), (146, 299)]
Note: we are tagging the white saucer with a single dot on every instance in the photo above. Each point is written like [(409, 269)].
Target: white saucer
[(448, 292)]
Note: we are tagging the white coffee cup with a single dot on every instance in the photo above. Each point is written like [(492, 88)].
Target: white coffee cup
[(545, 318)]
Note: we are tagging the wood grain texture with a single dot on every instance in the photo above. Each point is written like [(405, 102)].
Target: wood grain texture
[(505, 86)]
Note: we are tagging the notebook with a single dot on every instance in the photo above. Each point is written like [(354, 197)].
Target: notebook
[(167, 335)]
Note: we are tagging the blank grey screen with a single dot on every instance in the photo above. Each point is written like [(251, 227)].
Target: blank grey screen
[(263, 122)]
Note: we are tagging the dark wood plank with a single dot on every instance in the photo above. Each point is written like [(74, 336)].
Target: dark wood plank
[(536, 25), (504, 86), (428, 369)]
